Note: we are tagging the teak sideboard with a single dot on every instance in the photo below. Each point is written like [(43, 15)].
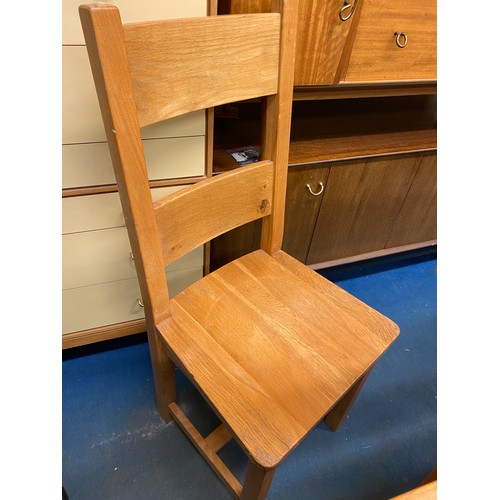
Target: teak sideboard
[(363, 150), (362, 174)]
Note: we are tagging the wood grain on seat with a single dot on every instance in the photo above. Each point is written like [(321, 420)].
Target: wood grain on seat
[(270, 346)]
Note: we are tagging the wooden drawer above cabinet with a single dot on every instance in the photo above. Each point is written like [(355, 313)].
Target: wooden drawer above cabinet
[(322, 36), (395, 40), (356, 41), (323, 32)]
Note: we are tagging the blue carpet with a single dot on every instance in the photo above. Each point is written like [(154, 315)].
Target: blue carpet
[(116, 446)]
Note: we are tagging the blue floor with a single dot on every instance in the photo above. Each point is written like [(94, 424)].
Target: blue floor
[(115, 445)]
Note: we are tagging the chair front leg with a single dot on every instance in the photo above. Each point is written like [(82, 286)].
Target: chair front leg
[(257, 482)]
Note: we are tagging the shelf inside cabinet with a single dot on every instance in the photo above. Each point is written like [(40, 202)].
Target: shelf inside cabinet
[(332, 130), (326, 149)]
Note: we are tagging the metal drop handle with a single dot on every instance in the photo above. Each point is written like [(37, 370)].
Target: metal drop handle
[(347, 7), (401, 39), (321, 187), (140, 302)]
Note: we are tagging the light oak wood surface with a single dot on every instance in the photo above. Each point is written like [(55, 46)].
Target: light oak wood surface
[(162, 63), (197, 214), (276, 124), (248, 332), (107, 51)]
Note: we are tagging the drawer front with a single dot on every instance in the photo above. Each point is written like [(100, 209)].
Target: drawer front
[(131, 11), (100, 211), (100, 305), (90, 164), (81, 116), (95, 257), (109, 303), (321, 39), (376, 55)]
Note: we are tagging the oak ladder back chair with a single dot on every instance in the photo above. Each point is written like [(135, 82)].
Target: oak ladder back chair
[(272, 346)]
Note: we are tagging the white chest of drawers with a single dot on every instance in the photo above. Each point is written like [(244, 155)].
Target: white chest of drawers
[(100, 297)]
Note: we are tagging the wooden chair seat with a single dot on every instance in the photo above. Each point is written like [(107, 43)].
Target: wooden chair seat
[(273, 346)]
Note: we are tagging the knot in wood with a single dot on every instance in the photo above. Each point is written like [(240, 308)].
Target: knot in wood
[(264, 204)]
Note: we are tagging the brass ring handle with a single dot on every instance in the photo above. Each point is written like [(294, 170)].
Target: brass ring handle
[(401, 36), (321, 187), (347, 6), (140, 302)]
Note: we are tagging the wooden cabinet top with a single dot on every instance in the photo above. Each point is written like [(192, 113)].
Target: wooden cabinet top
[(358, 41)]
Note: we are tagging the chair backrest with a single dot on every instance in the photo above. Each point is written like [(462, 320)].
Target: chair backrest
[(150, 71)]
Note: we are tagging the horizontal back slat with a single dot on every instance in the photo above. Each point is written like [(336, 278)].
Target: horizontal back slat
[(179, 66), (197, 214)]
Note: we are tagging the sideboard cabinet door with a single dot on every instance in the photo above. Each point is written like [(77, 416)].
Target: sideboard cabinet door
[(304, 195), (394, 41), (361, 203), (417, 220)]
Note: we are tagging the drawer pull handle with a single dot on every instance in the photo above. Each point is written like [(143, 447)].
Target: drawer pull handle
[(132, 256), (140, 302), (401, 39), (349, 7), (321, 187)]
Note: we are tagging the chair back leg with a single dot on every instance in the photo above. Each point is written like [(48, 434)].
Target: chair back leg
[(163, 376), (339, 412)]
